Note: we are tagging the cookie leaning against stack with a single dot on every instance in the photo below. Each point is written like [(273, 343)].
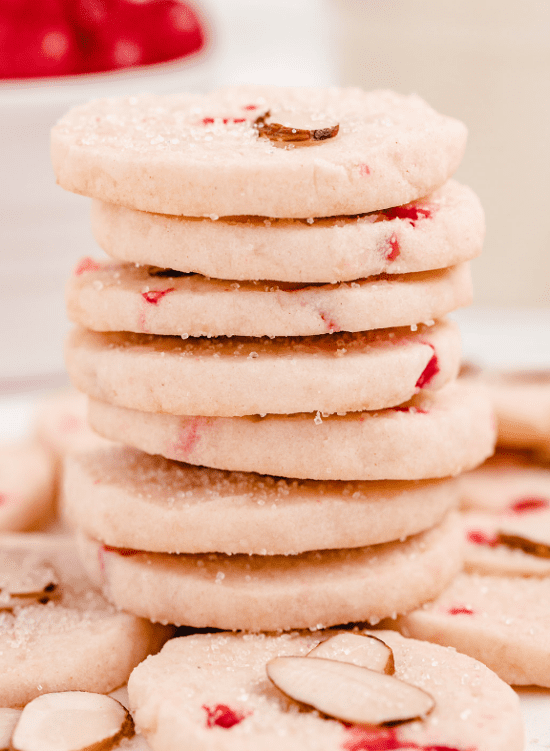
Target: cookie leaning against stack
[(338, 366)]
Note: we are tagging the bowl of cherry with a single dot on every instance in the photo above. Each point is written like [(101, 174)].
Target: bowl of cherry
[(55, 54)]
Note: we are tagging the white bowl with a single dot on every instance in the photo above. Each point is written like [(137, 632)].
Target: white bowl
[(43, 229)]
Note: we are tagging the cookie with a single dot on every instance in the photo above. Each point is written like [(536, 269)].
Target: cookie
[(501, 621), (230, 377), (203, 155), (522, 406), (507, 481), (144, 299), (56, 632), (505, 544), (435, 435), (442, 230), (128, 499), (229, 702), (267, 593), (61, 426), (27, 486)]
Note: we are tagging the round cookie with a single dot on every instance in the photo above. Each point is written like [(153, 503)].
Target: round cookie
[(501, 621), (202, 155), (509, 480), (27, 486), (437, 434), (75, 641), (144, 299), (522, 405), (442, 230), (128, 499), (61, 425), (268, 593), (230, 704), (230, 377), (486, 551)]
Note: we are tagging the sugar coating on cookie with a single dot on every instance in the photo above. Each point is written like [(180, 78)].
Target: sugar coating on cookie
[(68, 638), (27, 486), (144, 299), (248, 376), (229, 703), (501, 621), (435, 232), (202, 155), (436, 434), (507, 481), (267, 593), (128, 499)]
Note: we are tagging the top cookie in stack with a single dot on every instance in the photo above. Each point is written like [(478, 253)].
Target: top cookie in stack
[(338, 365)]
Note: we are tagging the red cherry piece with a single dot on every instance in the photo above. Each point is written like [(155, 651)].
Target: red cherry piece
[(414, 410), (329, 322), (460, 611), (189, 438), (525, 505), (429, 372), (364, 170), (125, 552), (361, 738), (85, 265), (410, 211), (393, 249), (478, 537), (223, 716), (154, 296)]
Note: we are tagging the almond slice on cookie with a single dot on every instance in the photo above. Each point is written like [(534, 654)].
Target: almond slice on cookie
[(72, 721), (348, 692)]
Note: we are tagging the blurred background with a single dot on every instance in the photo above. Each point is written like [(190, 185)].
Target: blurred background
[(487, 63)]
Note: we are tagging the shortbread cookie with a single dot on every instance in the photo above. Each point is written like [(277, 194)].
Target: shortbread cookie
[(501, 621), (515, 542), (522, 406), (267, 593), (435, 435), (507, 481), (202, 155), (128, 499), (144, 299), (27, 486), (441, 230), (60, 424), (230, 703), (56, 632), (230, 377)]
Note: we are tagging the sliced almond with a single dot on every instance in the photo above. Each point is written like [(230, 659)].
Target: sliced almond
[(8, 720), (24, 575), (72, 721), (366, 651), (348, 692), (532, 544), (278, 132)]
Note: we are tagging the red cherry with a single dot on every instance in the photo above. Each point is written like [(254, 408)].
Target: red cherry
[(37, 40), (121, 33)]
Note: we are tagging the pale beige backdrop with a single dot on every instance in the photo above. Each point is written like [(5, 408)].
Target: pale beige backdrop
[(486, 62)]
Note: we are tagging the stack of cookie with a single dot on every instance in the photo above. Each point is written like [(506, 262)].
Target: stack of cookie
[(283, 377)]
